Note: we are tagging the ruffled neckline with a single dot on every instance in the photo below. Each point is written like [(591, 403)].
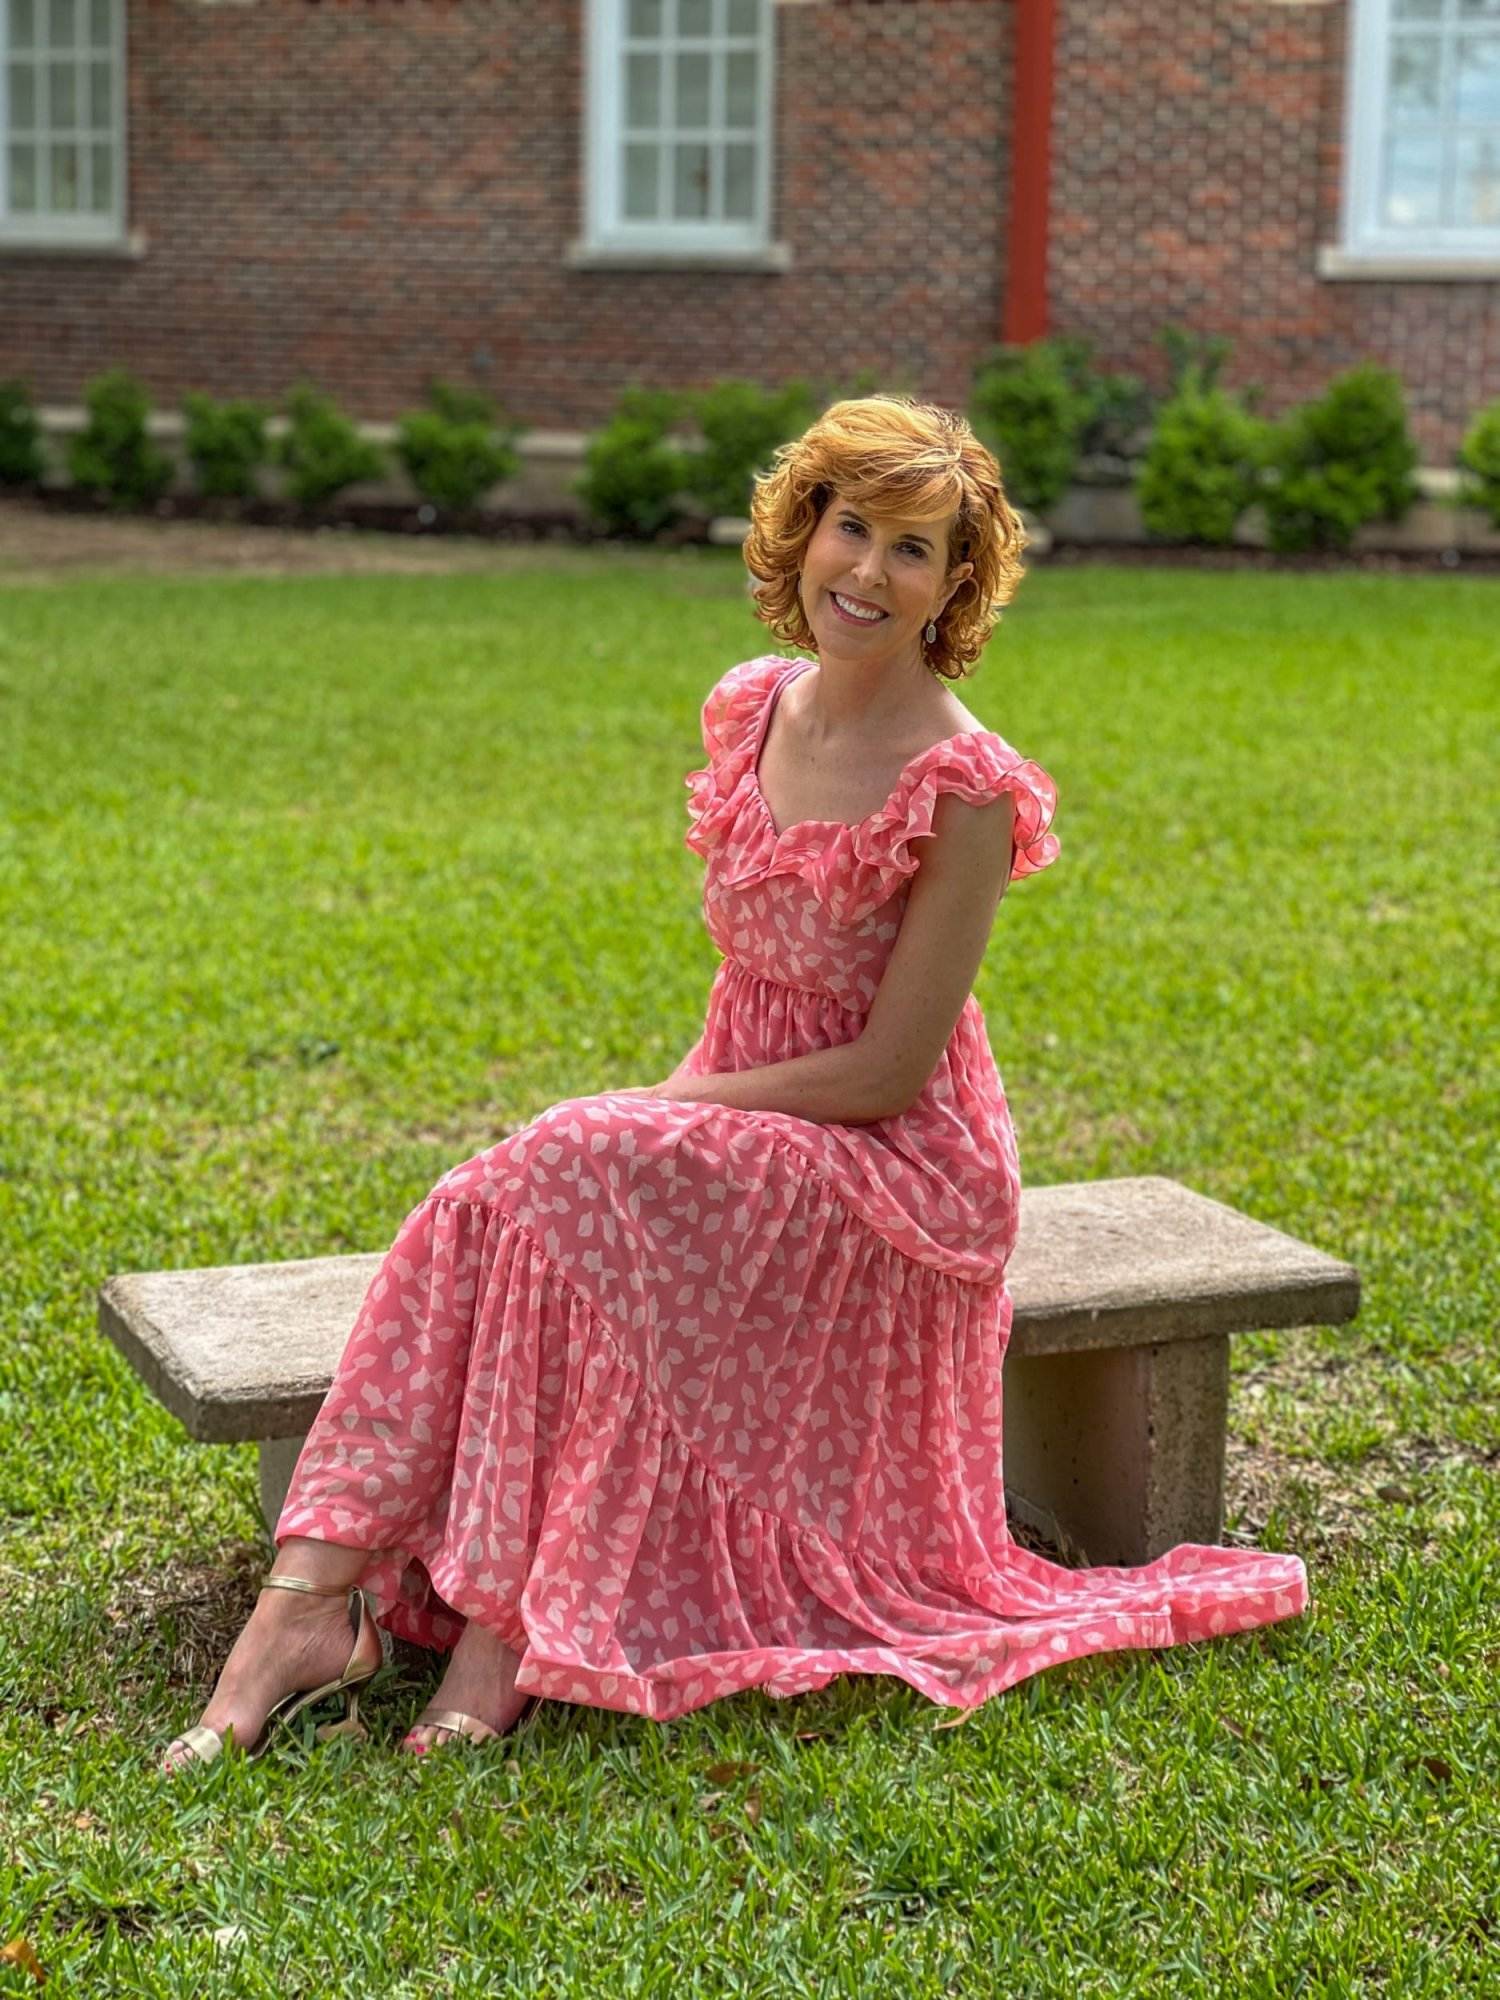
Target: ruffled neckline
[(757, 743), (853, 866)]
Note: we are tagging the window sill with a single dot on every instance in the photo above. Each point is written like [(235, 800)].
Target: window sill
[(582, 256), (1337, 263), (131, 246)]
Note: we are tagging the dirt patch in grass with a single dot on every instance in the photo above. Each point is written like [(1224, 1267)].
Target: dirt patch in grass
[(39, 544), (58, 533)]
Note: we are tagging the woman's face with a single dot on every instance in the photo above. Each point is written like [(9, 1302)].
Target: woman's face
[(882, 563)]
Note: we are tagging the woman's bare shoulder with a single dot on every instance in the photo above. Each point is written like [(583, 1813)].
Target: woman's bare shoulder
[(954, 719)]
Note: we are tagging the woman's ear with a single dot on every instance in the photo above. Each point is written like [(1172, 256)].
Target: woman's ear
[(959, 576)]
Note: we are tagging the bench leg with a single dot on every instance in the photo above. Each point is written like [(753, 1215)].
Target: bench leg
[(1120, 1447), (278, 1461)]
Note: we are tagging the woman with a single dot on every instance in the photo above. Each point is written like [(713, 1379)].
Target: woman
[(695, 1388)]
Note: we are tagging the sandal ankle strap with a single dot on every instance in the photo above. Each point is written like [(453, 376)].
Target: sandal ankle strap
[(301, 1583)]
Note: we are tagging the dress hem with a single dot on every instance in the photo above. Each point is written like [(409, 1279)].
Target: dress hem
[(1044, 1628)]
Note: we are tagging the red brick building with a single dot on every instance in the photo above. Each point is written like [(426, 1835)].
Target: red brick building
[(554, 198)]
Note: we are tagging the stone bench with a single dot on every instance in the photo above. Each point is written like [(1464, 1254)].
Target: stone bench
[(1116, 1378)]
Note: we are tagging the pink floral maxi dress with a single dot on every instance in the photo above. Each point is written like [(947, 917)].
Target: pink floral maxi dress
[(681, 1399)]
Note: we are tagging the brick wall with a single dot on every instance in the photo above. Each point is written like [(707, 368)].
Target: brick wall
[(368, 193), (1198, 156)]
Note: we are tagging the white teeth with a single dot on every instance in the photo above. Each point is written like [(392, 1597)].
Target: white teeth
[(855, 611)]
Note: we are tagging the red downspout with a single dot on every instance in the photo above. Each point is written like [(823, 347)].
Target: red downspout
[(1024, 314)]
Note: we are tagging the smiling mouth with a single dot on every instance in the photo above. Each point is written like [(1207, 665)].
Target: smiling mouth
[(869, 614)]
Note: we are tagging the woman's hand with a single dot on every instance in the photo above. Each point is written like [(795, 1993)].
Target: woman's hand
[(676, 1089)]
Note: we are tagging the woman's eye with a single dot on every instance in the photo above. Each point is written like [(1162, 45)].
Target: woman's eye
[(917, 550)]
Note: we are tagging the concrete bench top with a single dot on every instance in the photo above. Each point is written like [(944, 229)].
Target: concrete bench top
[(246, 1351)]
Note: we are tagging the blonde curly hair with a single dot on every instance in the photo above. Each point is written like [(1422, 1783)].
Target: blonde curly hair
[(895, 456)]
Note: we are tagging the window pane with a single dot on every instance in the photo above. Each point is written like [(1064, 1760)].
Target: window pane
[(22, 176), (690, 181), (1478, 76), (643, 89), (739, 182), (641, 180), (64, 98), (644, 18), (694, 17), (103, 192), (744, 17), (22, 24), (1413, 178), (65, 191), (64, 24), (101, 28), (1416, 66), (692, 89), (1479, 10), (99, 96), (742, 65), (1477, 204), (22, 96), (1417, 10)]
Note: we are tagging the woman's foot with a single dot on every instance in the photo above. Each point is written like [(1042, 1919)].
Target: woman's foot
[(292, 1640), (480, 1681)]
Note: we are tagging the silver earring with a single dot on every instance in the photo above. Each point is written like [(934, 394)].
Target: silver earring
[(931, 633)]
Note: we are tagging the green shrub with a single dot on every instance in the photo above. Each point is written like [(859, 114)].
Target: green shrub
[(1337, 463), (633, 477), (1117, 408), (863, 382), (453, 452), (1480, 454), (23, 461), (113, 455), (225, 444), (1202, 466), (742, 424), (1025, 406), (1194, 357), (322, 450)]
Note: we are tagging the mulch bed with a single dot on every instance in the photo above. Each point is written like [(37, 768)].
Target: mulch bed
[(560, 525), (385, 517), (1155, 555)]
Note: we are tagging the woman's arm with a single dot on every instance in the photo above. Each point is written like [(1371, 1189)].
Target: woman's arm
[(960, 880), (837, 1086)]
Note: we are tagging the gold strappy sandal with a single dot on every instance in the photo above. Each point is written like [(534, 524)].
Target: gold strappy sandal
[(206, 1744), (466, 1726)]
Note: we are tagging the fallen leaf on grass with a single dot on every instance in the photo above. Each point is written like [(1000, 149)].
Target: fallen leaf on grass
[(20, 1954), (350, 1726), (726, 1773)]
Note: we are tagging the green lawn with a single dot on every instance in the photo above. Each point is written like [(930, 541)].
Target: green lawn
[(313, 888)]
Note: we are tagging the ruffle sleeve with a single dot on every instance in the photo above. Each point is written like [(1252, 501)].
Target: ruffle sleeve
[(854, 868), (733, 704), (978, 767)]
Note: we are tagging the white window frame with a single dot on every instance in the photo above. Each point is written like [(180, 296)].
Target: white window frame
[(1368, 245), (57, 228), (607, 232)]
